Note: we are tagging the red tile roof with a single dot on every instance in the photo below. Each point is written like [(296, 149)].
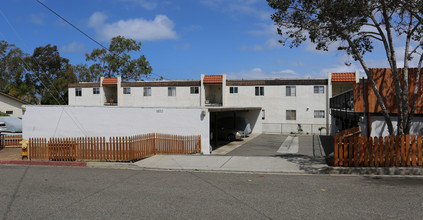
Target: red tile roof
[(343, 77), (213, 79), (110, 81)]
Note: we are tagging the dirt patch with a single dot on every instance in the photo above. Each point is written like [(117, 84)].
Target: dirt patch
[(11, 153)]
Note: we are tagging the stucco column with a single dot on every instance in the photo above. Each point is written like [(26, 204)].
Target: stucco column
[(202, 92), (224, 90), (102, 93), (119, 91)]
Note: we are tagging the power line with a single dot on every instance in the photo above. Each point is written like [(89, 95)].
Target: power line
[(77, 123), (85, 34)]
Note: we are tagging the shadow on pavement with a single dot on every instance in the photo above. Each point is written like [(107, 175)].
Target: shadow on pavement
[(327, 143), (309, 164)]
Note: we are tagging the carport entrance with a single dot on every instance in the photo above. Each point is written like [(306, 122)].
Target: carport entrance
[(226, 124)]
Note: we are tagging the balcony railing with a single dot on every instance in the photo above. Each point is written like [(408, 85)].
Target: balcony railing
[(343, 101)]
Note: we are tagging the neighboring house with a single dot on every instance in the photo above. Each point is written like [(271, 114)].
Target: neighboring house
[(359, 107), (11, 105), (281, 105)]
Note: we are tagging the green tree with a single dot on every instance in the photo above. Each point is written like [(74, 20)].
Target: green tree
[(15, 78), (86, 74), (118, 61), (52, 74), (357, 26)]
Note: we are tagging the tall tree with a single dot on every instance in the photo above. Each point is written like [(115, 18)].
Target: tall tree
[(86, 74), (14, 76), (52, 74), (357, 26), (118, 61)]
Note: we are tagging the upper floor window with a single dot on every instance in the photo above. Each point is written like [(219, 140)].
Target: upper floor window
[(171, 91), (291, 115), (233, 89), (194, 90), (147, 91), (259, 91), (291, 90), (319, 114), (319, 89), (96, 90), (126, 90), (9, 112), (78, 91)]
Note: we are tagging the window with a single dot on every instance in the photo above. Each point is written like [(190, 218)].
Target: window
[(96, 90), (263, 114), (126, 90), (233, 90), (171, 91), (319, 114), (147, 91), (319, 89), (9, 112), (259, 91), (291, 91), (291, 115), (78, 92), (194, 90)]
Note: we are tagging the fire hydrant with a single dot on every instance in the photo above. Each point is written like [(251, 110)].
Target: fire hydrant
[(24, 143)]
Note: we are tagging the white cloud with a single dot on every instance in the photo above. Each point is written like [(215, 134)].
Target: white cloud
[(146, 4), (160, 28), (73, 47), (37, 18), (265, 31), (248, 7)]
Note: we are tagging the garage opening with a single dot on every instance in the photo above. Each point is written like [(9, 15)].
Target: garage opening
[(233, 124)]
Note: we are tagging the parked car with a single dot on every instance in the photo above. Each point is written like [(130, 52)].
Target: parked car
[(228, 134), (12, 124), (2, 126), (229, 128)]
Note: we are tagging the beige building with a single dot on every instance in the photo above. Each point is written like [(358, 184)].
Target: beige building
[(11, 105)]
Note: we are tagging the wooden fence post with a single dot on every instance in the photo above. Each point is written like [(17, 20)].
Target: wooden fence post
[(381, 152), (371, 153)]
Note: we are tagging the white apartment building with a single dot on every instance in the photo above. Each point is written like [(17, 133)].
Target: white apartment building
[(269, 105)]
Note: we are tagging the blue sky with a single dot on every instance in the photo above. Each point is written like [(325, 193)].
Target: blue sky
[(181, 39)]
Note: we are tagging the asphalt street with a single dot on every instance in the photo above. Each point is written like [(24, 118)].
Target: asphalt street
[(269, 144), (34, 192)]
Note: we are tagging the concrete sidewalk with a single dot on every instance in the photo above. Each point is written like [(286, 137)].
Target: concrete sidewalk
[(279, 164)]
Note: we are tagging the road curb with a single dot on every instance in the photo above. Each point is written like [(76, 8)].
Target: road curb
[(414, 171), (45, 163)]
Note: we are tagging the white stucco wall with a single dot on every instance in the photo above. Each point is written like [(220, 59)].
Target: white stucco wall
[(159, 97), (86, 99), (275, 103), (379, 127), (80, 121), (8, 104)]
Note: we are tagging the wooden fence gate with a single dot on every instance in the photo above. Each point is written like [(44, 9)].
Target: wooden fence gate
[(115, 149)]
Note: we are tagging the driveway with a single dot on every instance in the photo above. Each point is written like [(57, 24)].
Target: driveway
[(277, 145)]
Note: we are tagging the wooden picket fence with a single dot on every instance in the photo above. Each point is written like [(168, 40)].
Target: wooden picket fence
[(115, 149), (11, 140), (350, 132), (398, 151)]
